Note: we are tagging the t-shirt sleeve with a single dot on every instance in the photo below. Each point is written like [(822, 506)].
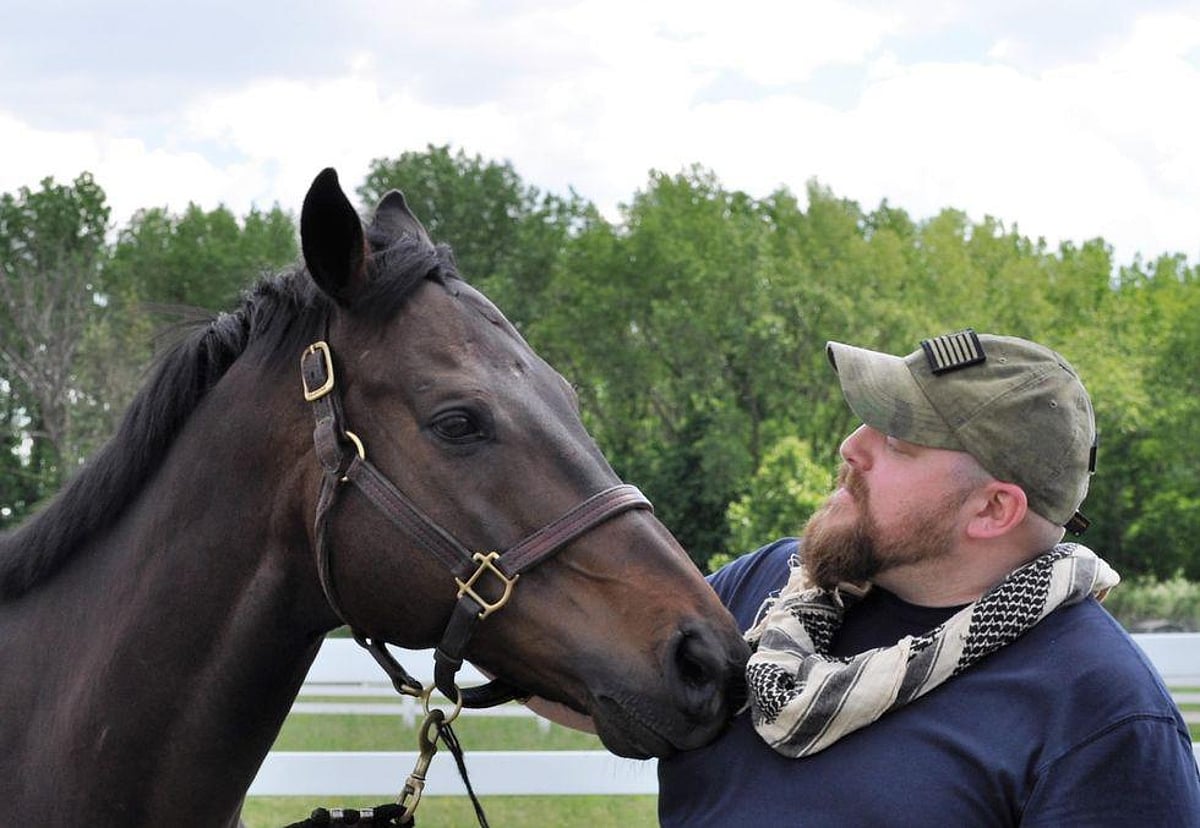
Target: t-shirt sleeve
[(745, 583), (1141, 771)]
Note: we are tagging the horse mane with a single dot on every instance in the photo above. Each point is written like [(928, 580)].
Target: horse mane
[(283, 312)]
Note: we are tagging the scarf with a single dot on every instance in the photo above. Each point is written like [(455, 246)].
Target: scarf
[(802, 700)]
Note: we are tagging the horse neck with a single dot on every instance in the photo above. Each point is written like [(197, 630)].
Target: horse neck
[(189, 627)]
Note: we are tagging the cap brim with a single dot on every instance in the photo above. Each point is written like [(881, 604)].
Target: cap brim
[(881, 391)]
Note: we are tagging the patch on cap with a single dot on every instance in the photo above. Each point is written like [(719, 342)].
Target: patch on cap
[(950, 352)]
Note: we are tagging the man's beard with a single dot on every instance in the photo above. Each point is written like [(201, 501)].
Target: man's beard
[(837, 549)]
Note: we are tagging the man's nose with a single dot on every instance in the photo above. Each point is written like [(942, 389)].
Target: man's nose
[(855, 449)]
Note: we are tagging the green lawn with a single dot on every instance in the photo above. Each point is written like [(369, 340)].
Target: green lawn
[(456, 812), (333, 731)]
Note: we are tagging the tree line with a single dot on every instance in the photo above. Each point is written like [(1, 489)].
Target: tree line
[(693, 328)]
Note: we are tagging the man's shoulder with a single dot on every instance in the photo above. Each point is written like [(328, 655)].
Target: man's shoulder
[(1091, 634), (749, 580), (1087, 655)]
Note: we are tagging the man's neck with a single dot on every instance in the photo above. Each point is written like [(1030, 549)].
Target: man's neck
[(960, 578), (880, 619)]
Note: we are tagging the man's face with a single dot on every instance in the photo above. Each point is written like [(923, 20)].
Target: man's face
[(895, 504)]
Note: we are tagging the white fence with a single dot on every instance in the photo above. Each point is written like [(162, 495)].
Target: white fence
[(344, 670)]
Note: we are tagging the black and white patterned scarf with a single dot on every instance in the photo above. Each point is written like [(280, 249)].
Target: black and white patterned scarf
[(802, 700)]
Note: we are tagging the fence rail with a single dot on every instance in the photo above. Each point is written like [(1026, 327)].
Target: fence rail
[(343, 670)]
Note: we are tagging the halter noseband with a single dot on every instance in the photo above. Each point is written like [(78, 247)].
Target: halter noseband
[(343, 459)]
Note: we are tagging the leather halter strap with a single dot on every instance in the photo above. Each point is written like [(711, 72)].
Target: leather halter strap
[(343, 459)]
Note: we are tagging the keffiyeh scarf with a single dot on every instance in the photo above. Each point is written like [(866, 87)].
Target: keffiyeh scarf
[(802, 700)]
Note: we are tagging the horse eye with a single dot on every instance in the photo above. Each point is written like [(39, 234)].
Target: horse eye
[(457, 427)]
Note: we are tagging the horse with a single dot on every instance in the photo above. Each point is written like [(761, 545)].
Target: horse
[(326, 454)]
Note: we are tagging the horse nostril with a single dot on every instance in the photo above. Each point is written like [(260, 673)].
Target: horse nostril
[(692, 669), (698, 671)]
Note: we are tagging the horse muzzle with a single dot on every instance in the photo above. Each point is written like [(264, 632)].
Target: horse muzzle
[(699, 687)]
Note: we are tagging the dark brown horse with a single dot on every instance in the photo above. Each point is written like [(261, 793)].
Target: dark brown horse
[(158, 617)]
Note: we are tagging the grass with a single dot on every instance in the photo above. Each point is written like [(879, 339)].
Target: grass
[(304, 731), (455, 811), (335, 731)]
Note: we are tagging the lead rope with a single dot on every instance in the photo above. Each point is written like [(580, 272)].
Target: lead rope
[(450, 740)]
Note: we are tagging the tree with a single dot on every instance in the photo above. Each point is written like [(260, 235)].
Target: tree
[(1161, 449), (200, 259), (52, 249), (694, 330), (20, 486), (506, 235), (165, 266), (675, 328), (783, 494)]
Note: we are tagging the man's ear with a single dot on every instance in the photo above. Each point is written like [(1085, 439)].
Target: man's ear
[(999, 508)]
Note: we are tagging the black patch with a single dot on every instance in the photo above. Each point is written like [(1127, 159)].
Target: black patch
[(950, 352)]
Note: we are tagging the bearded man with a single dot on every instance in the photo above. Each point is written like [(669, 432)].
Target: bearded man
[(931, 653)]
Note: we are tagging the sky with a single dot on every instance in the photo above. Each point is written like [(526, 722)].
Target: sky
[(1066, 119)]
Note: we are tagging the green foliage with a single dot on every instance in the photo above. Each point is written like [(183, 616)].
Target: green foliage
[(474, 204), (683, 330), (165, 266), (693, 330), (198, 259), (19, 484), (506, 235), (1164, 456), (78, 314), (52, 247), (782, 495), (1139, 600)]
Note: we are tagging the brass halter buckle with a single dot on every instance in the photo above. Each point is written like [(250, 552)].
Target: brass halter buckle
[(486, 564), (320, 347)]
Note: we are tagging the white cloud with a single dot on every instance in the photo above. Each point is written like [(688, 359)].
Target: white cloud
[(1102, 140), (132, 175)]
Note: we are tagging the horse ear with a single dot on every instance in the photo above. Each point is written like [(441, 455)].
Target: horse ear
[(331, 236), (393, 219)]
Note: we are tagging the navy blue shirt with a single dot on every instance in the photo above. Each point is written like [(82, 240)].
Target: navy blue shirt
[(1069, 725)]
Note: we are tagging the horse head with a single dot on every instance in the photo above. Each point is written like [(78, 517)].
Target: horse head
[(442, 438)]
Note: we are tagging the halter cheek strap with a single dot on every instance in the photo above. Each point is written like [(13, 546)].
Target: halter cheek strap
[(343, 459)]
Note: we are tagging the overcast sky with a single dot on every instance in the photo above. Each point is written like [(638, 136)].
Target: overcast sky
[(1070, 119)]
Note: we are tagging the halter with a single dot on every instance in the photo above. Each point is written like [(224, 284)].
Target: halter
[(344, 460)]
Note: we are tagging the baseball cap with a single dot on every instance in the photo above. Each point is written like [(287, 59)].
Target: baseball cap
[(1015, 406)]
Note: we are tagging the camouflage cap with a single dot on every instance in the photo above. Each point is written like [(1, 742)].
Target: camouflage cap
[(1015, 406)]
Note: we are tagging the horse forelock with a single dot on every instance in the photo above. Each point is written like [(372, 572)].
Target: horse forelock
[(397, 268)]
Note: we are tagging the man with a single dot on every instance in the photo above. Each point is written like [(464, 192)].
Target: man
[(930, 654)]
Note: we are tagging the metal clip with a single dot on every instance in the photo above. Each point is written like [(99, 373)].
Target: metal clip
[(414, 786), (486, 564), (447, 718)]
